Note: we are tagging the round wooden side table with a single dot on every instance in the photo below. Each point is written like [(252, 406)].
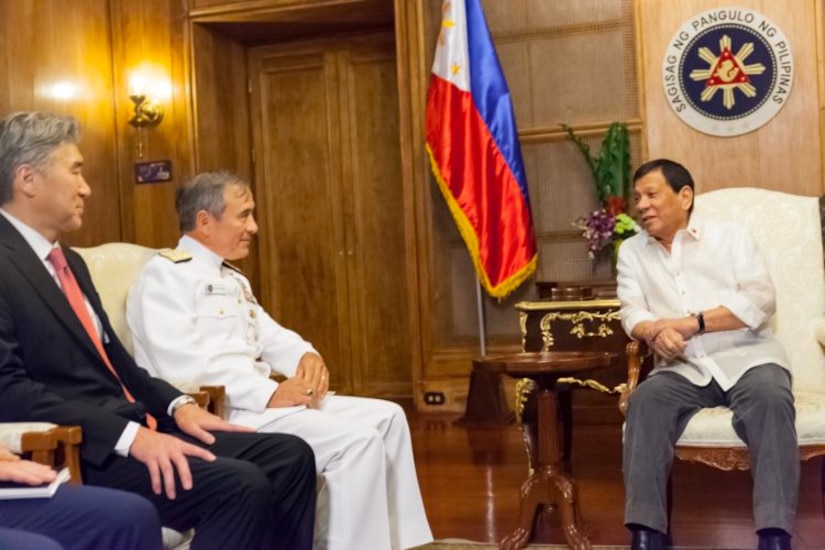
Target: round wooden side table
[(550, 485)]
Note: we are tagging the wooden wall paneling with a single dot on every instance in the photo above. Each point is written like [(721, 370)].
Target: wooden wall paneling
[(46, 45), (220, 98), (785, 154), (640, 75), (375, 219), (819, 17), (413, 100), (149, 37), (6, 76), (222, 103), (326, 16), (409, 62), (204, 7), (296, 124)]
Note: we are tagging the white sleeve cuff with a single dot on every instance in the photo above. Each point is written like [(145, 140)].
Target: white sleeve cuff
[(261, 396), (170, 410), (634, 318), (126, 439)]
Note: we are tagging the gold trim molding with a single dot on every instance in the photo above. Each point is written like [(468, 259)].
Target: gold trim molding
[(578, 319)]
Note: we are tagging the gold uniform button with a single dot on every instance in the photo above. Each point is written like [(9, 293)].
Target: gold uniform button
[(220, 312)]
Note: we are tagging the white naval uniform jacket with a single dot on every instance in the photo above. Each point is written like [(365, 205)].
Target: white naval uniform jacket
[(196, 320)]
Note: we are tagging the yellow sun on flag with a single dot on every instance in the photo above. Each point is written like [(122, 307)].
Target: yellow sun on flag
[(446, 22)]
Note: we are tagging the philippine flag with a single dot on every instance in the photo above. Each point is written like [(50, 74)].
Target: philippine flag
[(475, 153)]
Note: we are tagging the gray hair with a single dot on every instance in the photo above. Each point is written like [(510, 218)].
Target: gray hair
[(30, 138), (204, 191)]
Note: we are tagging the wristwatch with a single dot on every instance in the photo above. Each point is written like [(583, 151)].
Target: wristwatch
[(700, 317), (181, 401)]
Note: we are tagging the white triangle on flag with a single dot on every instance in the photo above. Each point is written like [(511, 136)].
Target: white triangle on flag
[(452, 60)]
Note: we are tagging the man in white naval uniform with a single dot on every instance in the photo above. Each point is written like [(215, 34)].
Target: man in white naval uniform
[(194, 318)]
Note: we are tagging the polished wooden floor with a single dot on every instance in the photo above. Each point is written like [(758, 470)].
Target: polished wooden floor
[(470, 480)]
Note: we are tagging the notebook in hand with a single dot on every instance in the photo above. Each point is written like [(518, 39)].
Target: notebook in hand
[(11, 490)]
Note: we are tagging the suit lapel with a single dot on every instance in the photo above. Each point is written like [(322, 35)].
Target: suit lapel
[(26, 261)]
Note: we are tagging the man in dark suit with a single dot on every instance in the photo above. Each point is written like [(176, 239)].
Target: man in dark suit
[(61, 362)]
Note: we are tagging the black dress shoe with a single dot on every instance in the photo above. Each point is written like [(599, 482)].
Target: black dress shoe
[(645, 539), (774, 542)]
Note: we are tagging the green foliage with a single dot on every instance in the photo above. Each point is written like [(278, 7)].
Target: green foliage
[(611, 169), (625, 226)]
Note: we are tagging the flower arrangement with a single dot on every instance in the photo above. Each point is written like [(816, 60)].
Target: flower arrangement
[(611, 174), (602, 228)]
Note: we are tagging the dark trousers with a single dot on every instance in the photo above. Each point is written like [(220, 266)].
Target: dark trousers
[(80, 517), (258, 494), (763, 416)]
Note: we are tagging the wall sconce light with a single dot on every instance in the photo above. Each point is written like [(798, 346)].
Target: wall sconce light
[(147, 112), (146, 91)]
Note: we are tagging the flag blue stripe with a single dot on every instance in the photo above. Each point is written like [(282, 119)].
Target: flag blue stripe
[(491, 94)]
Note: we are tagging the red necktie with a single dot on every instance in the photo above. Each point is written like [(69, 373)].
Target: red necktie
[(78, 303)]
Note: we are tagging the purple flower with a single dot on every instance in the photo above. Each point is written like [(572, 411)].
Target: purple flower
[(597, 227), (601, 229)]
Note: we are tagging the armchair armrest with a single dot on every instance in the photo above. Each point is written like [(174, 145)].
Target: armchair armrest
[(211, 398), (46, 443), (636, 352), (217, 399), (37, 434)]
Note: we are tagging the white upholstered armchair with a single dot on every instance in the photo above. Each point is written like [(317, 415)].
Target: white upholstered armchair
[(789, 232), (114, 268)]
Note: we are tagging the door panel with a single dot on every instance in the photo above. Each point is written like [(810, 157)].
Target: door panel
[(298, 181), (328, 179), (376, 235)]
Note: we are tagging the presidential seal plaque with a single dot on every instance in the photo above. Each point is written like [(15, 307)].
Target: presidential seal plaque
[(727, 71)]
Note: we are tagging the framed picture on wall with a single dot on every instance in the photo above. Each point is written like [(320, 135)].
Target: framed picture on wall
[(153, 172)]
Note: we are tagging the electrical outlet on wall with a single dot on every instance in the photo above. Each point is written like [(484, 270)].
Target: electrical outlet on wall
[(434, 398)]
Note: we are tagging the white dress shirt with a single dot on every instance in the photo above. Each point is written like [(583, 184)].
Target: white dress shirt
[(710, 264)]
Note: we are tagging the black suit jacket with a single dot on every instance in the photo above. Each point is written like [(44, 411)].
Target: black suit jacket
[(50, 370)]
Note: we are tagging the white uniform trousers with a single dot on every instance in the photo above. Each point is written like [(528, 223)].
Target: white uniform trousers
[(369, 498)]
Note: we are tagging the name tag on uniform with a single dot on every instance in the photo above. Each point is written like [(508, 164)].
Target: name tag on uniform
[(217, 289)]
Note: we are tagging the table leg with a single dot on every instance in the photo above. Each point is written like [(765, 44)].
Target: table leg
[(549, 485)]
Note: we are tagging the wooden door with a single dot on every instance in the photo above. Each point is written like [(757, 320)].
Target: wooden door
[(329, 192)]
